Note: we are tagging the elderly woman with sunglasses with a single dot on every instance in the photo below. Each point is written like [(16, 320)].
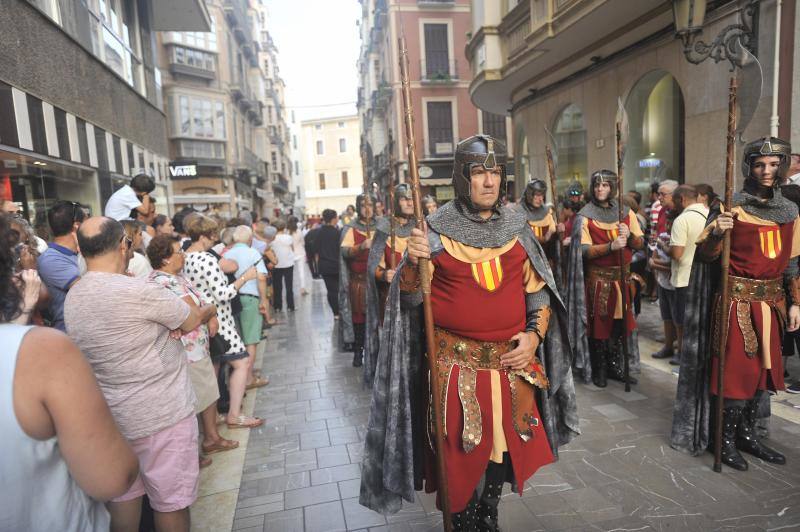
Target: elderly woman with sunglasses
[(167, 258)]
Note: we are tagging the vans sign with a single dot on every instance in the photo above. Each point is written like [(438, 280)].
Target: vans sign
[(183, 170)]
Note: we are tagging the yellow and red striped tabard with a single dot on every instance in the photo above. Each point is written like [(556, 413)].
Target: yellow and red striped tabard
[(488, 274), (540, 227)]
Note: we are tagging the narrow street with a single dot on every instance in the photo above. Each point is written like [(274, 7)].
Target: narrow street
[(301, 469)]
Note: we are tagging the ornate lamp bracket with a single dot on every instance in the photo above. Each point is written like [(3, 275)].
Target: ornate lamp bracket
[(724, 46)]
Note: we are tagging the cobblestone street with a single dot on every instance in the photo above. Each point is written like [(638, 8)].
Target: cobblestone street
[(301, 470)]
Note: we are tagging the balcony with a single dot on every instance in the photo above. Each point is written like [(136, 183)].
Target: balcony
[(540, 42), (442, 71), (253, 163), (381, 97), (238, 90), (256, 113), (236, 14), (279, 183), (178, 69)]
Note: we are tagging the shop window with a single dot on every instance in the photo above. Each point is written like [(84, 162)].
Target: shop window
[(655, 149), (570, 133)]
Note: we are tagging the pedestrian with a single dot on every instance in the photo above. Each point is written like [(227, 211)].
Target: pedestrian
[(387, 246), (203, 270), (299, 248), (253, 296), (326, 249), (60, 266), (707, 196), (138, 266), (48, 389), (128, 197), (661, 266), (594, 298), (764, 235), (793, 173), (123, 325), (355, 244), (283, 247), (488, 332), (311, 256), (167, 259), (147, 222), (380, 210), (162, 225)]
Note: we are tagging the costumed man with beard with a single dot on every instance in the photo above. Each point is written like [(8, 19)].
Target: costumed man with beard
[(594, 295), (355, 246), (543, 223), (379, 264), (764, 287), (503, 355)]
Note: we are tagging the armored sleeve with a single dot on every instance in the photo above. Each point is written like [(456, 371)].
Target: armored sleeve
[(791, 281), (537, 312)]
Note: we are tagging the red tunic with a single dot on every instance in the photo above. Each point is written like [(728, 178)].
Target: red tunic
[(484, 302), (601, 316), (358, 284), (757, 252)]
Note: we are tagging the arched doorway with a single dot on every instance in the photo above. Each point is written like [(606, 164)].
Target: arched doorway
[(655, 148), (570, 133)]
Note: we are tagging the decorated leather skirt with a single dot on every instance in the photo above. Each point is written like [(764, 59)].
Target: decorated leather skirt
[(487, 411), (753, 351), (358, 296), (603, 301)]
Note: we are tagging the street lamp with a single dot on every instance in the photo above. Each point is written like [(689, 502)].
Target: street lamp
[(689, 16)]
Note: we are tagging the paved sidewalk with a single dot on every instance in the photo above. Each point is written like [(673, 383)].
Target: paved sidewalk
[(301, 469)]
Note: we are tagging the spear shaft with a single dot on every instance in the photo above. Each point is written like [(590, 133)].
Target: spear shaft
[(425, 287), (392, 238), (725, 260), (624, 289)]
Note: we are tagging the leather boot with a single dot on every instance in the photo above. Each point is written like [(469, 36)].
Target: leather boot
[(358, 358), (487, 517), (616, 368), (748, 441), (731, 417), (597, 357), (358, 345), (466, 520)]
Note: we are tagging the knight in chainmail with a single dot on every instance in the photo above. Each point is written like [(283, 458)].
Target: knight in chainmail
[(593, 291), (355, 246), (502, 352), (388, 246), (542, 219), (764, 289)]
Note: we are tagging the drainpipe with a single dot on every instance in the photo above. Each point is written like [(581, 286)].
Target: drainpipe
[(774, 120)]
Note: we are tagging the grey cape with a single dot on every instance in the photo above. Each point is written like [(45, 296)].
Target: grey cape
[(346, 333), (372, 333), (396, 432), (554, 252), (692, 412), (576, 294)]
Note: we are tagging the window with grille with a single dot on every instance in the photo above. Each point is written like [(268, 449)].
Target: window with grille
[(440, 128), (322, 181), (437, 56), (494, 125), (345, 180)]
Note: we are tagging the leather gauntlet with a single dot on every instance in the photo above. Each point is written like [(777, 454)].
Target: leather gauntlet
[(540, 321), (409, 278), (794, 291), (598, 250), (711, 247)]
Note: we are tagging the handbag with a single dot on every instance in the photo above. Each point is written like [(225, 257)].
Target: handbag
[(218, 345)]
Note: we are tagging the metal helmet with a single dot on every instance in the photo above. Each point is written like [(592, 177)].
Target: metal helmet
[(477, 149), (767, 146), (401, 191), (603, 176), (575, 188), (360, 203), (536, 186)]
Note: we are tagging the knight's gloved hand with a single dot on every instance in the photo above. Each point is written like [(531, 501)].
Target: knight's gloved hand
[(624, 231), (418, 247), (366, 244), (619, 242)]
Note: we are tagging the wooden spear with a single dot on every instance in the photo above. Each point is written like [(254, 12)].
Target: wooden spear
[(725, 260), (425, 286), (624, 289), (365, 188), (392, 236)]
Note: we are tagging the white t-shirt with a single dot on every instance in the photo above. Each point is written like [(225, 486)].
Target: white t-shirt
[(139, 266), (686, 230), (282, 246), (121, 203)]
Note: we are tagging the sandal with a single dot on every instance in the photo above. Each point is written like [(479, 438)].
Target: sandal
[(244, 422), (220, 446), (221, 419), (258, 382), (205, 462)]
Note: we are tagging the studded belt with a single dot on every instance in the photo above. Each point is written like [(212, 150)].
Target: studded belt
[(606, 276), (744, 291), (471, 356)]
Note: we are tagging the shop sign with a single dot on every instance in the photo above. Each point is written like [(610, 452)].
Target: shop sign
[(445, 193), (183, 170)]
